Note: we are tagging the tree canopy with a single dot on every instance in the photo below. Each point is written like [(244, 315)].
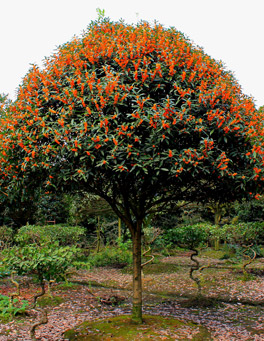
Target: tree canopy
[(138, 115)]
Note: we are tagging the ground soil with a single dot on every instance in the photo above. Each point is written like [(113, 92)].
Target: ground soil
[(232, 307)]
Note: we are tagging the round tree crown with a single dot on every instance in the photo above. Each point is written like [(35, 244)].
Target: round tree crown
[(134, 109)]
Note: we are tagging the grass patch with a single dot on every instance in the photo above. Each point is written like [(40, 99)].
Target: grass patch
[(213, 254), (67, 286), (245, 277), (91, 284), (158, 268), (121, 328)]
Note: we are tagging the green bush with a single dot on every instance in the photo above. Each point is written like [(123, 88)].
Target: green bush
[(46, 262), (111, 256), (239, 234), (236, 235), (189, 236), (63, 234)]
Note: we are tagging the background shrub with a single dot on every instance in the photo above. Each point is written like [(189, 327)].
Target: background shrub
[(6, 237), (111, 256), (63, 234), (239, 234), (188, 236)]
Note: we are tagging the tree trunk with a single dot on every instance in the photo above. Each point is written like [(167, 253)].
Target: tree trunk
[(217, 219), (119, 229), (98, 230), (137, 280)]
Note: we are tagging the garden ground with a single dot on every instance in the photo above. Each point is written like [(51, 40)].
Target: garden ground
[(232, 308)]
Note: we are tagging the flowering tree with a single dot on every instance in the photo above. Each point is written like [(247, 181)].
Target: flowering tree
[(139, 116)]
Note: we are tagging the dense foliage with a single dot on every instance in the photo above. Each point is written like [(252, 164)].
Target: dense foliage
[(188, 236), (46, 262), (251, 233), (63, 234), (124, 103), (118, 256)]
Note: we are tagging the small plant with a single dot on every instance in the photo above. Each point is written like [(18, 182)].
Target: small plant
[(45, 262), (10, 308), (124, 246), (247, 277)]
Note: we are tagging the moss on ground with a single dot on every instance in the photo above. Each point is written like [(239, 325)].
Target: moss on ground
[(50, 301), (121, 328), (68, 286), (213, 254), (156, 268)]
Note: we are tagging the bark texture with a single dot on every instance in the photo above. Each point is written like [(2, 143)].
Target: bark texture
[(137, 279)]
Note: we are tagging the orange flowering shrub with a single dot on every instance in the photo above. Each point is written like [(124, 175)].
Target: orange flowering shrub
[(138, 115)]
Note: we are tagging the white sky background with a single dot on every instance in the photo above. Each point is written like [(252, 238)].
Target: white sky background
[(228, 30)]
